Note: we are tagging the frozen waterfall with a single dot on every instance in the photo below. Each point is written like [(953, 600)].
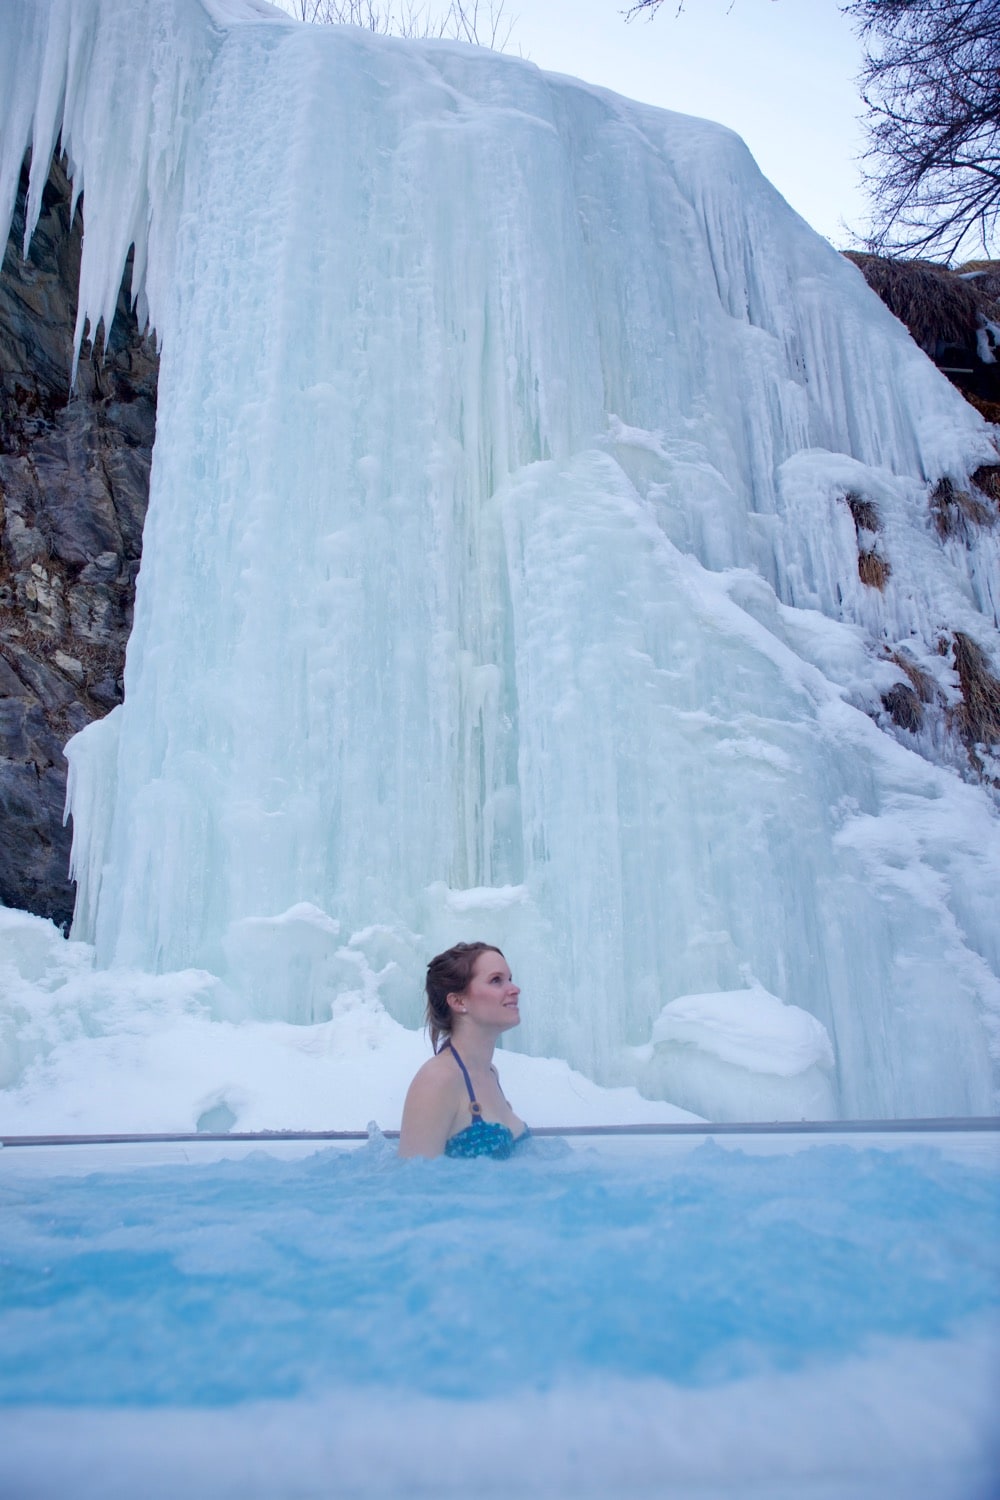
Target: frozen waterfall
[(499, 578)]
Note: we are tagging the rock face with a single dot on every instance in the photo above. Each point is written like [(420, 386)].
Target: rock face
[(74, 485)]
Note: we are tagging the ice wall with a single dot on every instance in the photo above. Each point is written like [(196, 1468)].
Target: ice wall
[(498, 578)]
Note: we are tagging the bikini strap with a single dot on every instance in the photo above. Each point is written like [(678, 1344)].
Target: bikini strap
[(475, 1107)]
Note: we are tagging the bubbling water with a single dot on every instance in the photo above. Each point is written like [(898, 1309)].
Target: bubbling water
[(601, 1322)]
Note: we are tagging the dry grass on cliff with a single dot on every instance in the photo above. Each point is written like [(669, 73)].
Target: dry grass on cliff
[(904, 707), (984, 276), (988, 410), (864, 512), (905, 701), (873, 569), (939, 306), (976, 720), (978, 717), (922, 682), (987, 480), (954, 510)]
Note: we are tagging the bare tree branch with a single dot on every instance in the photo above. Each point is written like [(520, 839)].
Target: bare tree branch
[(931, 82)]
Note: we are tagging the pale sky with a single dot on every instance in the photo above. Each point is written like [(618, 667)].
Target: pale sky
[(779, 72)]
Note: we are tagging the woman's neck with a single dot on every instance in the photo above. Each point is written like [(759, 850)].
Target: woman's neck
[(475, 1045)]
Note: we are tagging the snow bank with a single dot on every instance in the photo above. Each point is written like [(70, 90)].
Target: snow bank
[(745, 1052), (85, 1050)]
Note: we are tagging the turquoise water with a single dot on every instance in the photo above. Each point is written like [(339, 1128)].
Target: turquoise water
[(262, 1278)]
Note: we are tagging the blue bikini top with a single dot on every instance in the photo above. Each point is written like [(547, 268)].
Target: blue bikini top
[(482, 1137)]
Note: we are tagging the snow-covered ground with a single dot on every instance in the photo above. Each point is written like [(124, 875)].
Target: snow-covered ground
[(85, 1051)]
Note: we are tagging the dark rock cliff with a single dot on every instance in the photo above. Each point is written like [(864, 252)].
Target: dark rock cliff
[(74, 484)]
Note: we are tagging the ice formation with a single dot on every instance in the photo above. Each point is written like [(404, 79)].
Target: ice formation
[(499, 577)]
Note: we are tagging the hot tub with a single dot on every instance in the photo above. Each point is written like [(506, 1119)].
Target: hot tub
[(680, 1314)]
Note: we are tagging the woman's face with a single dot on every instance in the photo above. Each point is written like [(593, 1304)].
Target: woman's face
[(491, 995)]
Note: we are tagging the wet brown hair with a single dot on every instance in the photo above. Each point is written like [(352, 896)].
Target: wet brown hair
[(449, 974)]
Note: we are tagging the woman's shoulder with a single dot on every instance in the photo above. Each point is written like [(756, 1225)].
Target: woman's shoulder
[(438, 1075), (432, 1106)]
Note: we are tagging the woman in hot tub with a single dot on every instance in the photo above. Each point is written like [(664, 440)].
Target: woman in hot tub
[(455, 1105)]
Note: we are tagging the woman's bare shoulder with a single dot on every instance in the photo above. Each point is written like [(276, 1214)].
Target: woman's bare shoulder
[(437, 1076), (431, 1105)]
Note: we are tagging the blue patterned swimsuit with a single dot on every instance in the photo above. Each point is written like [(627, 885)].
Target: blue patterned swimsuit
[(482, 1137)]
